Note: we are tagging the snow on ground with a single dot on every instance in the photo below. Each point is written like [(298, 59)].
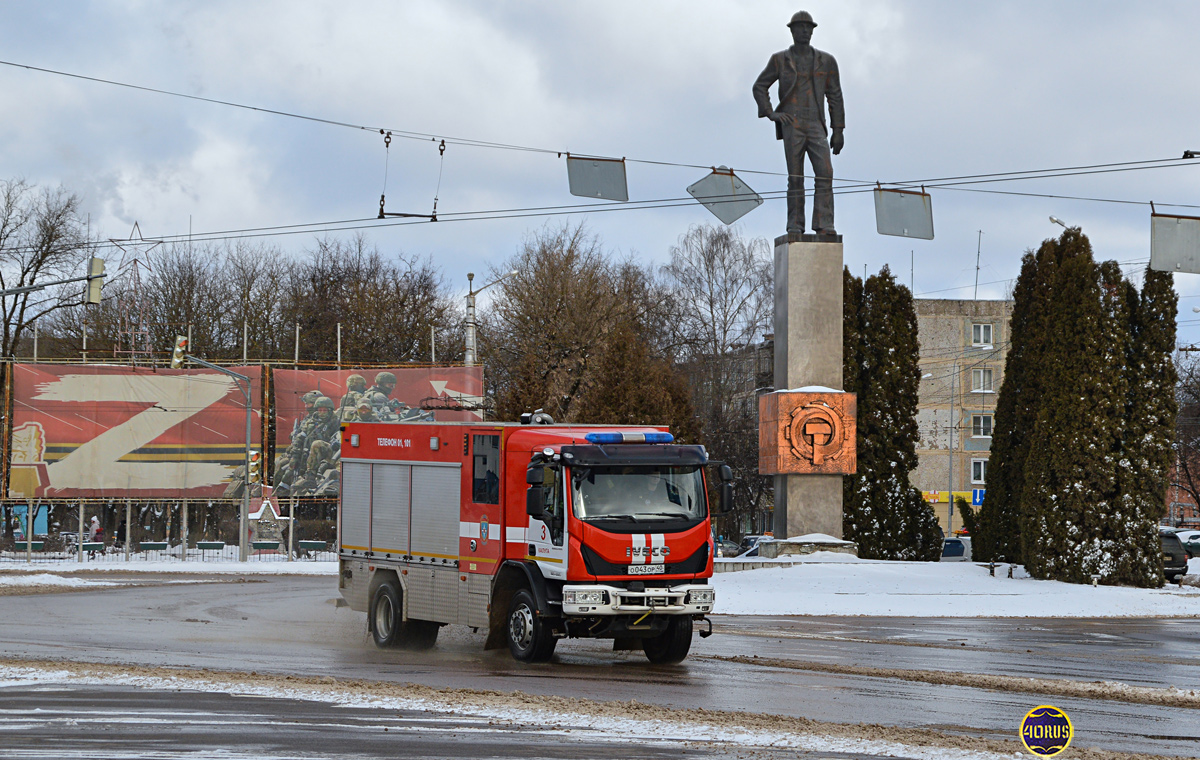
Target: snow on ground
[(47, 579), (220, 567), (826, 583)]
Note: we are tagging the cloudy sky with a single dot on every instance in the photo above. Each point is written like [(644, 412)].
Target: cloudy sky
[(932, 90)]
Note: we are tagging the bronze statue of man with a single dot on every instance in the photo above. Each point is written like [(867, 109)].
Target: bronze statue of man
[(807, 79)]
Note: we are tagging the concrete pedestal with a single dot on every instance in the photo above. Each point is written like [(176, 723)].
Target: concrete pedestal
[(808, 352)]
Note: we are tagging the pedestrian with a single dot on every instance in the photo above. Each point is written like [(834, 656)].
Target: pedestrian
[(94, 528)]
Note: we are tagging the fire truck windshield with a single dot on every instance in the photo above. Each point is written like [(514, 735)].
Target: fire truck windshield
[(638, 493)]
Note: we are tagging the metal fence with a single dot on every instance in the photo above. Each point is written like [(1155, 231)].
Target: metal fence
[(89, 532)]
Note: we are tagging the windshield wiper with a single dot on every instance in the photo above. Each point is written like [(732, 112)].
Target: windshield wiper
[(661, 514), (610, 517)]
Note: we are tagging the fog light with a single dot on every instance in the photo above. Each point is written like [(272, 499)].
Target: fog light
[(701, 596), (581, 596)]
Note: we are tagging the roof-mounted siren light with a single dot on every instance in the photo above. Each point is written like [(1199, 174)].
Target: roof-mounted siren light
[(603, 438)]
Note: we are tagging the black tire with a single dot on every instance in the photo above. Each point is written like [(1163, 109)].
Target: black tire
[(385, 613), (418, 634), (529, 638), (672, 645)]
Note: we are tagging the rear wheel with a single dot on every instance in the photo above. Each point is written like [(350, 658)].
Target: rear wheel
[(672, 645), (385, 615), (529, 638)]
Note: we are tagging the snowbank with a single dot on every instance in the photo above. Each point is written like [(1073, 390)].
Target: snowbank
[(43, 580), (829, 584), (219, 567)]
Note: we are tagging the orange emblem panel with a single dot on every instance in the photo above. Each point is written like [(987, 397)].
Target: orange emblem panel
[(807, 433)]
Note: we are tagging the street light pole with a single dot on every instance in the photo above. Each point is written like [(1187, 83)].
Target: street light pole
[(244, 517), (470, 355)]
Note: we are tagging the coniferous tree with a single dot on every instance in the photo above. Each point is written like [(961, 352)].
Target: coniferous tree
[(1017, 407), (1151, 411), (852, 293), (886, 515), (1065, 479)]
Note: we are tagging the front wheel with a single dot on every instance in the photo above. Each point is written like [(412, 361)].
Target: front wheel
[(672, 645), (529, 638)]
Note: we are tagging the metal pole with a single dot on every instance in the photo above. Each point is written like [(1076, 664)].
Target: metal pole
[(978, 247), (29, 531), (35, 340), (128, 526), (81, 531), (469, 354), (296, 359), (339, 357), (245, 340), (189, 335), (292, 528), (432, 345), (85, 341), (950, 472), (183, 529)]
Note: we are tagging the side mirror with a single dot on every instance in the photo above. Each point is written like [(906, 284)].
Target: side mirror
[(726, 498), (725, 473), (535, 476), (533, 502)]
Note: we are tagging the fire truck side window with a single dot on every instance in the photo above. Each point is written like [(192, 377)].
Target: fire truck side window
[(552, 503), (485, 474)]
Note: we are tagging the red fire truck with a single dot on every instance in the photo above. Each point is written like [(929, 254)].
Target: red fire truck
[(532, 532)]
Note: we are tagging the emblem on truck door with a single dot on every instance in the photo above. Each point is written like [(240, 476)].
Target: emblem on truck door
[(483, 529)]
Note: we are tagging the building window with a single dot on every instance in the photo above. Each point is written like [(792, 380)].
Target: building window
[(981, 381), (981, 335), (981, 426), (978, 471)]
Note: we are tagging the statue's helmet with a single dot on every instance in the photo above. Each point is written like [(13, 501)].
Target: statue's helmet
[(802, 17)]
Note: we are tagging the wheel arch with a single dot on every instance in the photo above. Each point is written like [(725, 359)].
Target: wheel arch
[(378, 578), (511, 578)]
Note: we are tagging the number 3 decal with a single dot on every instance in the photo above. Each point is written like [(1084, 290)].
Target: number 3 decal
[(543, 532)]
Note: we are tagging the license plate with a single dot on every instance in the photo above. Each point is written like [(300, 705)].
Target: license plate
[(647, 569)]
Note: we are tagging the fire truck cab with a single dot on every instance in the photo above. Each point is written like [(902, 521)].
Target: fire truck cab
[(533, 533)]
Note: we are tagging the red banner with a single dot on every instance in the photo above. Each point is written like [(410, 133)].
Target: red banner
[(450, 392), (97, 431)]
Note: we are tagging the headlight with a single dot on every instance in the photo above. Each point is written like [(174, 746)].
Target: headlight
[(579, 596), (701, 596)]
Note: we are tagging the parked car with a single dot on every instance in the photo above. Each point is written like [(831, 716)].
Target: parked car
[(956, 549), (727, 548), (1191, 541), (748, 543), (1174, 557)]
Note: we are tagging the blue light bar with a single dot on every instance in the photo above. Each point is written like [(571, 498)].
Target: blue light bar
[(601, 438)]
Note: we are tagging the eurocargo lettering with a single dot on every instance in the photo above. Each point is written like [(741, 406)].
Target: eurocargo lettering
[(533, 532)]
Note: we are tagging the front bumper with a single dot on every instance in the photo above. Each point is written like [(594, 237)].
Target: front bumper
[(685, 599)]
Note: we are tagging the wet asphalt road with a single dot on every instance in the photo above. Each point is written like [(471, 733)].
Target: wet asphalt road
[(291, 626), (133, 724)]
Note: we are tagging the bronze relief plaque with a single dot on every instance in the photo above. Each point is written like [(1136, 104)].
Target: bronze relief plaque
[(807, 433)]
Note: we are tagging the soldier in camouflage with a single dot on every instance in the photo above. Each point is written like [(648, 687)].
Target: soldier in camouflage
[(380, 394), (356, 386)]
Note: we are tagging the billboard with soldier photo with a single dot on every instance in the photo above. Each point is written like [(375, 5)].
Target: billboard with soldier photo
[(110, 431), (310, 406)]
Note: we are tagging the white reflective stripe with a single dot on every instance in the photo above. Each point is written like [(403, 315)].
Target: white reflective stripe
[(657, 542), (468, 530), (639, 543), (516, 535)]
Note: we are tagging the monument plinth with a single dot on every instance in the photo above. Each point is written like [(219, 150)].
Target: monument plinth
[(808, 358)]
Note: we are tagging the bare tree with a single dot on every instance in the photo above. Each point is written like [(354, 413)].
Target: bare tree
[(722, 301), (42, 238)]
